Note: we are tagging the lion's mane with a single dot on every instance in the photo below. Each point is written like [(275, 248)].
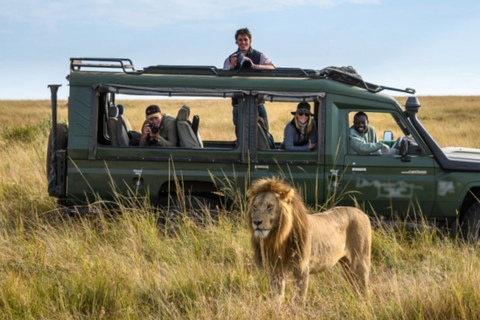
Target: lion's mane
[(289, 243)]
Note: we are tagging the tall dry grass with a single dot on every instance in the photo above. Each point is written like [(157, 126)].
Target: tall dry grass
[(124, 266)]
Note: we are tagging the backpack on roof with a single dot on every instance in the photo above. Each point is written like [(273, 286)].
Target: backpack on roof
[(342, 74)]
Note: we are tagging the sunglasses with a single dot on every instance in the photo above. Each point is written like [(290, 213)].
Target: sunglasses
[(303, 114)]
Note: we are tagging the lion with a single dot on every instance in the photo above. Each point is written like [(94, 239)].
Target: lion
[(286, 239)]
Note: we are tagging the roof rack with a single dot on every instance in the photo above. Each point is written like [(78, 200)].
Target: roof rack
[(332, 73), (354, 79), (212, 70), (174, 69), (109, 63), (345, 75)]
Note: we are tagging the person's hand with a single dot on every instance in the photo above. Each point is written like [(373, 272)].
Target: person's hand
[(385, 149), (311, 145), (146, 131), (156, 136), (233, 61)]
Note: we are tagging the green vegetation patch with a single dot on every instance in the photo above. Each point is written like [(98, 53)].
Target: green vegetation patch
[(25, 133)]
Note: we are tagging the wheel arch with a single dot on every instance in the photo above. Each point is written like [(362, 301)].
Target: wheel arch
[(471, 196)]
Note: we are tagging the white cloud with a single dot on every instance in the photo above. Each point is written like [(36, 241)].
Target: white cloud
[(145, 13)]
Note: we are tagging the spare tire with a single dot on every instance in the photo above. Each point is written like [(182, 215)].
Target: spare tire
[(61, 139)]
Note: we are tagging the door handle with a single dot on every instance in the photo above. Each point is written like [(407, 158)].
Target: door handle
[(333, 179)]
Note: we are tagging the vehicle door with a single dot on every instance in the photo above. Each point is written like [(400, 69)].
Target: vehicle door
[(389, 184), (303, 169)]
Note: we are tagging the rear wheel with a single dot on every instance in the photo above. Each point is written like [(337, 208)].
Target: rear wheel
[(471, 224)]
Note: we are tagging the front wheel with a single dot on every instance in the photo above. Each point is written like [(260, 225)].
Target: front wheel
[(470, 227), (200, 208)]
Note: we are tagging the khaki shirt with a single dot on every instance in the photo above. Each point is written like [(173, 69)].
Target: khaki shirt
[(167, 131), (366, 143)]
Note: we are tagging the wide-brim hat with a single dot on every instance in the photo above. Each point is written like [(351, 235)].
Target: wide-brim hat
[(152, 111), (303, 107)]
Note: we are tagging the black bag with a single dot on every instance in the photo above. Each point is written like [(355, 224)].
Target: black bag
[(343, 74)]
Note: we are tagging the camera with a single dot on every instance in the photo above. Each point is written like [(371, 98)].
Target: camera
[(153, 128), (243, 63)]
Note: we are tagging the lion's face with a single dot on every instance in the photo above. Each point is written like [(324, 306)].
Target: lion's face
[(265, 214)]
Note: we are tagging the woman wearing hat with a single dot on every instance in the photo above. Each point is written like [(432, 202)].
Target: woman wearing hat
[(300, 134)]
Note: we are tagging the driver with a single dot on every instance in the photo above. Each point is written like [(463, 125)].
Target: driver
[(363, 138)]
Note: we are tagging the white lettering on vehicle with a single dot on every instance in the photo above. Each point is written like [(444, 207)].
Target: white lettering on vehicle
[(389, 190), (415, 172)]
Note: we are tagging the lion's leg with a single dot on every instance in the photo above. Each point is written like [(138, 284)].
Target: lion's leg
[(361, 272), (302, 278), (357, 272), (348, 273), (360, 262), (276, 282)]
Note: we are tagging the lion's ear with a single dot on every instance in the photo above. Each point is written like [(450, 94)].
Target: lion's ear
[(288, 196)]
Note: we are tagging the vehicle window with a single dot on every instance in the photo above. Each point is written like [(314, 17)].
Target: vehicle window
[(280, 115), (369, 130), (214, 116), (121, 118)]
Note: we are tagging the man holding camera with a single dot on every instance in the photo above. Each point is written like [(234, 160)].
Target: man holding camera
[(246, 57), (159, 129)]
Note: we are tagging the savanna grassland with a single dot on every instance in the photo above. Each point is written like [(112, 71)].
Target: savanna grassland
[(124, 266)]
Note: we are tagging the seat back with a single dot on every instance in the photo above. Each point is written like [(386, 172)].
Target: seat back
[(118, 131), (195, 123), (262, 142), (264, 139), (186, 136), (127, 124)]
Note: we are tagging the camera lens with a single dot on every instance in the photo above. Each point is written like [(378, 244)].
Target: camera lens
[(246, 64), (242, 62), (154, 129)]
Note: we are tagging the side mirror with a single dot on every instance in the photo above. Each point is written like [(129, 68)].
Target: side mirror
[(387, 135), (405, 157)]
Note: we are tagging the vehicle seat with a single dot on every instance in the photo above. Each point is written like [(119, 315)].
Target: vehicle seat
[(118, 131), (133, 136), (186, 136), (195, 124), (264, 139), (121, 109)]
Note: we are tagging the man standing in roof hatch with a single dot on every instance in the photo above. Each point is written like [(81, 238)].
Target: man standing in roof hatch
[(246, 56)]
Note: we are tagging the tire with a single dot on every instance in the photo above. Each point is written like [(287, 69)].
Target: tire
[(199, 208), (470, 227), (61, 137), (62, 132)]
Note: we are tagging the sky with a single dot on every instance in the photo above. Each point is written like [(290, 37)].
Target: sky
[(431, 46)]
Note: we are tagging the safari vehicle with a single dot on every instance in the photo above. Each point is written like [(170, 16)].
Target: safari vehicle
[(93, 157)]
